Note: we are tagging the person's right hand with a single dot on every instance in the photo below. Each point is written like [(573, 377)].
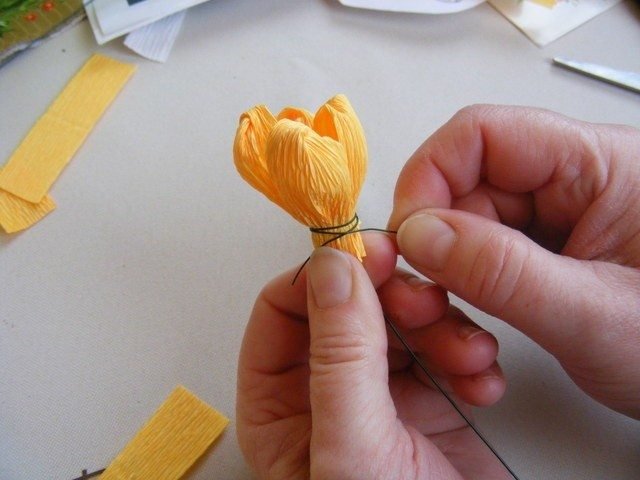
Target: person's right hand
[(535, 219)]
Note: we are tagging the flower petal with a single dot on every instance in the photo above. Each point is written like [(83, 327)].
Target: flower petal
[(249, 150), (297, 114), (337, 119), (311, 174)]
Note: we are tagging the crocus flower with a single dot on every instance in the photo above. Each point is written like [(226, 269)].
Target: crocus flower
[(312, 166)]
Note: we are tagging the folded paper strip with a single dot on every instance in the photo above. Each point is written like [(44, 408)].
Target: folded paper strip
[(54, 139), (17, 214)]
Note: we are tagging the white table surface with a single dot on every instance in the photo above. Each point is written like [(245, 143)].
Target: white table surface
[(144, 276)]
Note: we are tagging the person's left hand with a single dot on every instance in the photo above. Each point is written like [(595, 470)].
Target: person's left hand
[(323, 393)]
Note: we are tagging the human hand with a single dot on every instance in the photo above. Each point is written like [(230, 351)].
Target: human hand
[(321, 393), (534, 218)]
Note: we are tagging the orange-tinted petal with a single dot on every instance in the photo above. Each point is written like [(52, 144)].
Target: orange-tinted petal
[(337, 119), (297, 115), (249, 150), (311, 174)]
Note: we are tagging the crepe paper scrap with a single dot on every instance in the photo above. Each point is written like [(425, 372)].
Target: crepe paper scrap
[(110, 19), (58, 134), (545, 3), (543, 25), (312, 166), (17, 214), (156, 40), (25, 23), (178, 433), (414, 6)]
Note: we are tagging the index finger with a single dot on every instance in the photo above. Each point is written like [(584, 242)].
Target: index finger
[(516, 150)]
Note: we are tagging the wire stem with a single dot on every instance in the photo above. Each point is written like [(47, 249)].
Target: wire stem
[(422, 366)]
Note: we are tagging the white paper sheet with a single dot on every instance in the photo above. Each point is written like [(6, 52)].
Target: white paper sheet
[(113, 18), (414, 6), (155, 41), (544, 25)]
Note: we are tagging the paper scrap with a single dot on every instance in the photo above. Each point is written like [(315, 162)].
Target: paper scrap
[(414, 6), (177, 434), (545, 3), (110, 19), (17, 214), (58, 134), (156, 40), (543, 25)]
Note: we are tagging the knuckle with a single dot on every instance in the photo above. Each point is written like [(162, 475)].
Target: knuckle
[(339, 349), (498, 271), (472, 111)]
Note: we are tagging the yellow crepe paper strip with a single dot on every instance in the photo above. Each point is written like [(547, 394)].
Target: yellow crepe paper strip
[(172, 440), (17, 214), (56, 136), (313, 166), (546, 3)]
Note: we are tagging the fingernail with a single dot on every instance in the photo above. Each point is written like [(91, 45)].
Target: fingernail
[(467, 332), (329, 274), (416, 283), (489, 374), (426, 240)]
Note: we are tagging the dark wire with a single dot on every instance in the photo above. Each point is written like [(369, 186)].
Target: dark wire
[(354, 222), (86, 475), (338, 229), (420, 364), (337, 236)]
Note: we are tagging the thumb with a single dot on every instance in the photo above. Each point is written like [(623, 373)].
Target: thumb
[(499, 270), (348, 362)]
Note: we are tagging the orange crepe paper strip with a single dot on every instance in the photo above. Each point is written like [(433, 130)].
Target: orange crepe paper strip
[(179, 432), (58, 134), (17, 214)]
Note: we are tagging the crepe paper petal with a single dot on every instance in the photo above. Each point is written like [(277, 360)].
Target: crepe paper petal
[(179, 432), (309, 171), (249, 150), (297, 114), (58, 134), (337, 119)]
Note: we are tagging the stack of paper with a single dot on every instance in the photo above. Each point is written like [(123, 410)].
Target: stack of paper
[(154, 41), (154, 24), (113, 18)]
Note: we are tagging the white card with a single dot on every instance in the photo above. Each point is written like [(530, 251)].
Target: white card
[(544, 25), (414, 6)]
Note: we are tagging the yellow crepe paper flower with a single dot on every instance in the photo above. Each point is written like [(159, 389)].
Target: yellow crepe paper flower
[(312, 166)]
